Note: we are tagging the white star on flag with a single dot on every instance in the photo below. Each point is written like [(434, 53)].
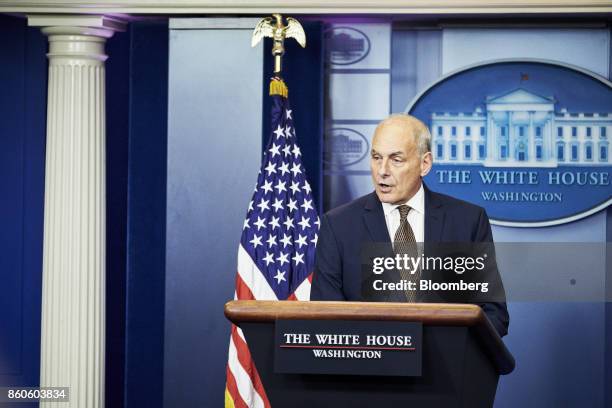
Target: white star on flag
[(305, 223), (271, 168), (301, 241), (260, 223), (297, 258), (278, 204), (292, 204), (295, 187), (282, 258), (288, 223), (280, 186), (263, 205), (295, 169), (279, 132), (271, 241), (287, 150), (284, 168), (274, 223), (269, 258), (286, 240), (275, 150), (296, 151), (267, 187), (280, 276), (256, 241), (307, 205)]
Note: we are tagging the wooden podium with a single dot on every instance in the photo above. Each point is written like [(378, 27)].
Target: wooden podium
[(462, 356)]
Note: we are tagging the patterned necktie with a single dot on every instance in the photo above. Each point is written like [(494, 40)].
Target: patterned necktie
[(405, 243)]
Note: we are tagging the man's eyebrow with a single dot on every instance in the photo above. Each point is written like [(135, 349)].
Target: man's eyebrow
[(397, 153)]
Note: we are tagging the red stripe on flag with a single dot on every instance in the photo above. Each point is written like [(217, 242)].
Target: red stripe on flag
[(242, 290), (244, 357), (310, 277), (232, 388)]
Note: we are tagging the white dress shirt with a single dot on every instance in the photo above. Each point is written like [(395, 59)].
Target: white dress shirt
[(416, 216)]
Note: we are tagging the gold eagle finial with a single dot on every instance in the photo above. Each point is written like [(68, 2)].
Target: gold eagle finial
[(278, 32)]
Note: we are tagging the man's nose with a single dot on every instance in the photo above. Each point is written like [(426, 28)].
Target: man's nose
[(383, 168)]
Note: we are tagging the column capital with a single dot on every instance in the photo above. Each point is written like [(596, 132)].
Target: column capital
[(90, 25), (76, 39)]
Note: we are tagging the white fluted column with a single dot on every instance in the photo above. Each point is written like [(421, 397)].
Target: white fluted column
[(73, 298)]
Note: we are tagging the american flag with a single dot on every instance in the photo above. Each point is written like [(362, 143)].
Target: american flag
[(277, 247)]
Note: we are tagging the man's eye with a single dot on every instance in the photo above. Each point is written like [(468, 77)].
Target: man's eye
[(397, 160)]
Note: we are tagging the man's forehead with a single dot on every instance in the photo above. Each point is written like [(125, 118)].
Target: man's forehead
[(407, 123), (390, 138)]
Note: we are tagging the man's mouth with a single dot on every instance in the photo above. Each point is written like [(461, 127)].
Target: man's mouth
[(384, 187)]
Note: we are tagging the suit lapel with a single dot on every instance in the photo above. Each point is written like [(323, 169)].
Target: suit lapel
[(434, 217), (374, 218)]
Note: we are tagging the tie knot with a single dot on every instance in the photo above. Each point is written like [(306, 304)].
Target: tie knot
[(403, 210)]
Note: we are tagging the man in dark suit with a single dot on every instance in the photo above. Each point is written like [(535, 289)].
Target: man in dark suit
[(400, 213)]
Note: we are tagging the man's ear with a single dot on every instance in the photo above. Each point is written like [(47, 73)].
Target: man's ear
[(426, 163)]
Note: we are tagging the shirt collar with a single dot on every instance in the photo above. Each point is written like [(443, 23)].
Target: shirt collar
[(417, 203)]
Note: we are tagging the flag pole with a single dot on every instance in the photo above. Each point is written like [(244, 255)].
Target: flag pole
[(276, 254)]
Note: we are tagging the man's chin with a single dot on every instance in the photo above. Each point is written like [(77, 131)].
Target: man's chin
[(386, 197)]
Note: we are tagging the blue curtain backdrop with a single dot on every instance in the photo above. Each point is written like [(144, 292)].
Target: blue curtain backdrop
[(117, 121), (146, 214), (23, 80)]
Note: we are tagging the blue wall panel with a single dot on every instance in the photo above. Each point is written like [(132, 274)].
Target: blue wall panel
[(11, 191), (23, 80), (146, 230), (117, 127), (214, 145)]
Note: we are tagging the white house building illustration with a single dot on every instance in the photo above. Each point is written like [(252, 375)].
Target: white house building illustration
[(520, 128)]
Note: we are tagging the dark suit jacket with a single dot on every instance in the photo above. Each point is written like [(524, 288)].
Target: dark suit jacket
[(346, 229)]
